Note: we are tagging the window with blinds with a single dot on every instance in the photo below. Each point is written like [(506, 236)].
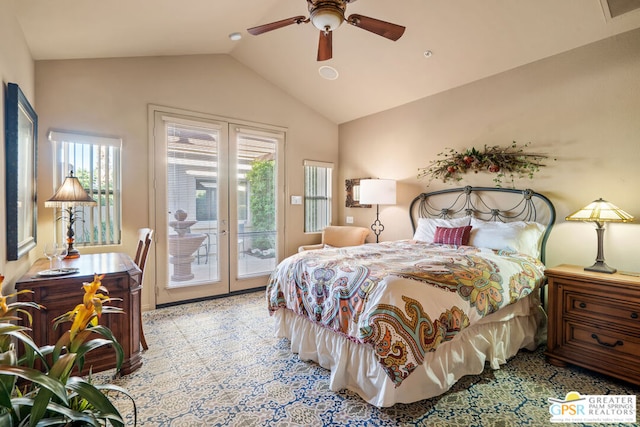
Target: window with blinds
[(317, 195), (95, 161)]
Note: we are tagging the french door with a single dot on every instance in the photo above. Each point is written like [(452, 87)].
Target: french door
[(218, 205)]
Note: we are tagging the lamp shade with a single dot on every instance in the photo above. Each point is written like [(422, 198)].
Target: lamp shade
[(600, 211), (70, 193), (377, 191)]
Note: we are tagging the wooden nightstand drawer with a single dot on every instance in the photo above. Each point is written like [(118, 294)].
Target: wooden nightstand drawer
[(600, 308), (608, 342)]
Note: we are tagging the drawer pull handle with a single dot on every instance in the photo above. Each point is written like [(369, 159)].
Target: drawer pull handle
[(606, 344), (583, 305), (634, 315)]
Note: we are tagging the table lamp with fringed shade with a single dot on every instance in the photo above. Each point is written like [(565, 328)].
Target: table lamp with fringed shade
[(69, 195), (600, 211), (377, 192)]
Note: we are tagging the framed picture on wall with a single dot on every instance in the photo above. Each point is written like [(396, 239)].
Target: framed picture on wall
[(352, 187), (21, 130)]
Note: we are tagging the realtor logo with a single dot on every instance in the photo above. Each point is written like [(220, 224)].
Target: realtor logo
[(576, 408)]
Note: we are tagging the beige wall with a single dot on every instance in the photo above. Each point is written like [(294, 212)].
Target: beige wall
[(111, 96), (580, 107), (16, 66)]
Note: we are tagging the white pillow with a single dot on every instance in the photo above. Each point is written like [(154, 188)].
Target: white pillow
[(518, 236), (427, 226)]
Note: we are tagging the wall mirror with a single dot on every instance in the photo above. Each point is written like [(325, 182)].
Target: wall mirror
[(21, 129), (352, 187)]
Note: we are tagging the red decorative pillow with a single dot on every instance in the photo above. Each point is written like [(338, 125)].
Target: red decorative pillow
[(452, 236)]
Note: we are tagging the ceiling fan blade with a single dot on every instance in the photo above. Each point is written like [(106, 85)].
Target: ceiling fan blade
[(325, 49), (381, 28), (275, 25)]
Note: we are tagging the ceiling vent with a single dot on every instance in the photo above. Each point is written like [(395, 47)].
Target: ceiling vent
[(620, 7)]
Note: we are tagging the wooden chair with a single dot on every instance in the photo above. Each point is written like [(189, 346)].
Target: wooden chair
[(145, 237), (339, 236)]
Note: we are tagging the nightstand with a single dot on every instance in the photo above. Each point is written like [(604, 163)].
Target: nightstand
[(594, 321)]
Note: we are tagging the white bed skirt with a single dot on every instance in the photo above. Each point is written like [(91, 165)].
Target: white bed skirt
[(354, 366)]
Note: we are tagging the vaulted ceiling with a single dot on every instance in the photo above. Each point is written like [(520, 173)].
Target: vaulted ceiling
[(468, 40)]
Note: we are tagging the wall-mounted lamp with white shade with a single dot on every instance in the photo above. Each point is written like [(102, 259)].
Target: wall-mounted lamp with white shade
[(377, 192)]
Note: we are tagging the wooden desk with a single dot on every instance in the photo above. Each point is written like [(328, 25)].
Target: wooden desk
[(60, 294)]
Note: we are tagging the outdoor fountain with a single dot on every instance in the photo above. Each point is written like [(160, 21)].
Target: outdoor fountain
[(182, 246)]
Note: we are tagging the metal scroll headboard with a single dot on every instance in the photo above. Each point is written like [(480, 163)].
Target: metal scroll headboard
[(488, 203)]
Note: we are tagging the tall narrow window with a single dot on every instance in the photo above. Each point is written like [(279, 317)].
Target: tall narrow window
[(317, 195), (95, 160)]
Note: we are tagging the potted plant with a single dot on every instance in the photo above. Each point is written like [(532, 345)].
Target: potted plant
[(52, 395)]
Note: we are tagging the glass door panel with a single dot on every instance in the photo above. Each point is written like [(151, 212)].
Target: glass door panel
[(256, 205), (195, 188)]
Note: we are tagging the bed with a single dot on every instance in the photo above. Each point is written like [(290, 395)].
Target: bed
[(402, 321)]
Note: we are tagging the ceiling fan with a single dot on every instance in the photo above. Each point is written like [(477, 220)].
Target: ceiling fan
[(327, 15)]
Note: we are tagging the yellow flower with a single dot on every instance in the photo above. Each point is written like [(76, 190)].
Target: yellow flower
[(8, 310), (81, 318), (3, 305), (3, 299), (91, 308), (92, 300)]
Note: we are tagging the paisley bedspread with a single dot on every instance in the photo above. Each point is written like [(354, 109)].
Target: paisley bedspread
[(404, 298)]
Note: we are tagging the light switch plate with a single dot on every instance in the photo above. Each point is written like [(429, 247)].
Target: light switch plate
[(296, 200), (349, 220)]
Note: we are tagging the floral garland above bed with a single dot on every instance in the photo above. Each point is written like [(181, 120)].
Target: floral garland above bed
[(505, 162)]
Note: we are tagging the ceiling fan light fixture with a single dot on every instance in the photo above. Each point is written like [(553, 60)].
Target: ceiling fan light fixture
[(327, 18)]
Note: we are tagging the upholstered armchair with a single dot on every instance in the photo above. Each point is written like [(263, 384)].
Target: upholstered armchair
[(339, 236)]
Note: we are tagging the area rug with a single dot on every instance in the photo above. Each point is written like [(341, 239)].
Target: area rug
[(218, 363)]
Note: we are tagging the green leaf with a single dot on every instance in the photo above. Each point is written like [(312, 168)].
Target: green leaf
[(67, 414), (92, 345), (63, 366), (13, 330), (62, 342), (97, 399), (30, 353), (37, 377), (48, 387), (39, 408), (27, 341), (7, 383), (77, 341), (106, 332)]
